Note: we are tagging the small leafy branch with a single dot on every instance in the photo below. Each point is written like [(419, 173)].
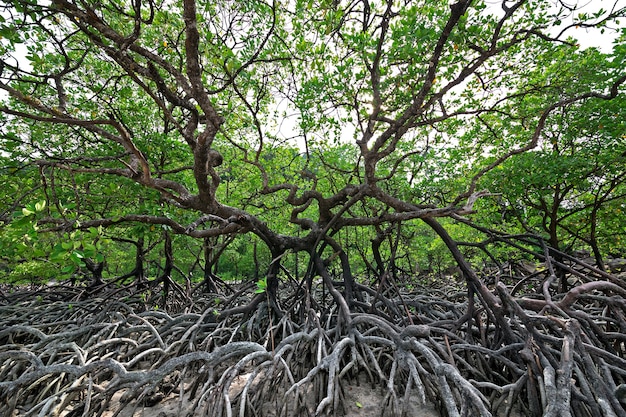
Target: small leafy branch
[(261, 286)]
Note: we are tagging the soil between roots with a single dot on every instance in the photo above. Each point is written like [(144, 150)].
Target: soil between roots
[(361, 401)]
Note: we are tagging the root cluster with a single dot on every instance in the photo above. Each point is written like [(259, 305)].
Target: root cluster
[(530, 353)]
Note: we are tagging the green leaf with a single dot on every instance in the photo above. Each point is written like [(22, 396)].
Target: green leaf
[(261, 286), (89, 250), (68, 269), (77, 257)]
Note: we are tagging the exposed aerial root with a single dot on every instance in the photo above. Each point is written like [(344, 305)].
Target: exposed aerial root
[(561, 355)]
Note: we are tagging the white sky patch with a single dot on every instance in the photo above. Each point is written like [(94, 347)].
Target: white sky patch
[(601, 38)]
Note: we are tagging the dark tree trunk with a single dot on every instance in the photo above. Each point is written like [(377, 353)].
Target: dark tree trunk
[(593, 240), (166, 277), (96, 269), (139, 271)]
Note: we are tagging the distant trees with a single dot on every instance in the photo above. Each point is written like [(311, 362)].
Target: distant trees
[(571, 188)]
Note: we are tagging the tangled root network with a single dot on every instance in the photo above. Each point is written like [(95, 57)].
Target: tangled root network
[(478, 352)]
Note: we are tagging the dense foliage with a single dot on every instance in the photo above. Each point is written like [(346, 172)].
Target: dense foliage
[(337, 125)]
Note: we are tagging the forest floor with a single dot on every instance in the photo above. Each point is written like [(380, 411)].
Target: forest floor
[(40, 328), (362, 400), (513, 348)]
